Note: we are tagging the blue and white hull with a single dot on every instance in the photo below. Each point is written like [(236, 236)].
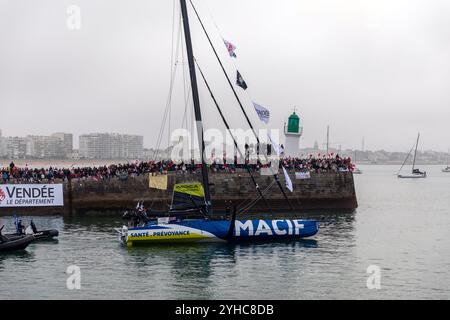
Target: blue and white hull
[(200, 230)]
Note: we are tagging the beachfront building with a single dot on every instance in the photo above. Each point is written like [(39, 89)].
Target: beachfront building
[(56, 146), (3, 150), (111, 146), (133, 146), (15, 147), (44, 147), (67, 141)]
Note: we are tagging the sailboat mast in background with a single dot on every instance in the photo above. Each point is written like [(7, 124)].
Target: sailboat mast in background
[(415, 173), (415, 152)]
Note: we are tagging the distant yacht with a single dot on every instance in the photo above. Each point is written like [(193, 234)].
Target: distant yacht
[(415, 173), (447, 169)]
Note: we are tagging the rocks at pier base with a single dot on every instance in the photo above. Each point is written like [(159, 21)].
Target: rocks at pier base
[(327, 190)]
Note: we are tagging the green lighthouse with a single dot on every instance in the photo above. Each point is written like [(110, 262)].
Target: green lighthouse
[(292, 133), (293, 123)]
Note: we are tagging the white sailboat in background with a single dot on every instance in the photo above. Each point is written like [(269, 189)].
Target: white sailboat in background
[(415, 173), (447, 169)]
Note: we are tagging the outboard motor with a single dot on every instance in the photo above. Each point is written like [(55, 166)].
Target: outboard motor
[(29, 231), (33, 226)]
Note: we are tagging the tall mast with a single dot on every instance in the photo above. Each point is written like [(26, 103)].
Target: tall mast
[(415, 152), (448, 157), (197, 110)]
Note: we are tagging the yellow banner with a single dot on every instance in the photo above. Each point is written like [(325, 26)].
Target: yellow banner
[(194, 189), (158, 182)]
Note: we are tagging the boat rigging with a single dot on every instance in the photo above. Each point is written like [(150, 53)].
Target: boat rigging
[(175, 225)]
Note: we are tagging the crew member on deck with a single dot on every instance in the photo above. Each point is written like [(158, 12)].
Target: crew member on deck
[(20, 227)]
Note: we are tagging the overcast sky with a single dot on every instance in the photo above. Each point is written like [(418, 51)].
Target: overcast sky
[(373, 68)]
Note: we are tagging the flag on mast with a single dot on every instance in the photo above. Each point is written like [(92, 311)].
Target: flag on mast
[(288, 181), (240, 81), (263, 113), (231, 48)]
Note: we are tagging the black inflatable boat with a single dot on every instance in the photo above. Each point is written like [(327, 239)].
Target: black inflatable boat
[(17, 243), (38, 235), (46, 234)]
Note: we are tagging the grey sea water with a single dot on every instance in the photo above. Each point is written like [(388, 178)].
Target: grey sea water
[(401, 226)]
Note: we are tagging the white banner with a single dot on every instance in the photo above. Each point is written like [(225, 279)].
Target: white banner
[(302, 175), (31, 195)]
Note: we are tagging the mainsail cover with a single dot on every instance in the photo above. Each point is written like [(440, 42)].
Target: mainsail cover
[(188, 196)]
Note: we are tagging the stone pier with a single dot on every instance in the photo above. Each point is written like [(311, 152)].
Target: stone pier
[(330, 190)]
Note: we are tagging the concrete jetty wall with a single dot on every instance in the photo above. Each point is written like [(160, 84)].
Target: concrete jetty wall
[(330, 190)]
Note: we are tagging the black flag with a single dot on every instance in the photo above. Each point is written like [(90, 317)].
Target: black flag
[(240, 81)]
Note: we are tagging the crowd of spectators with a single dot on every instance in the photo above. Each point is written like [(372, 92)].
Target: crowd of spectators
[(319, 164), (324, 163)]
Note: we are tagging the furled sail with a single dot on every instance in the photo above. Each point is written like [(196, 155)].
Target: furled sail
[(188, 196)]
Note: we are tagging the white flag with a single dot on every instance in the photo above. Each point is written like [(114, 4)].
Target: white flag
[(288, 181), (263, 113)]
